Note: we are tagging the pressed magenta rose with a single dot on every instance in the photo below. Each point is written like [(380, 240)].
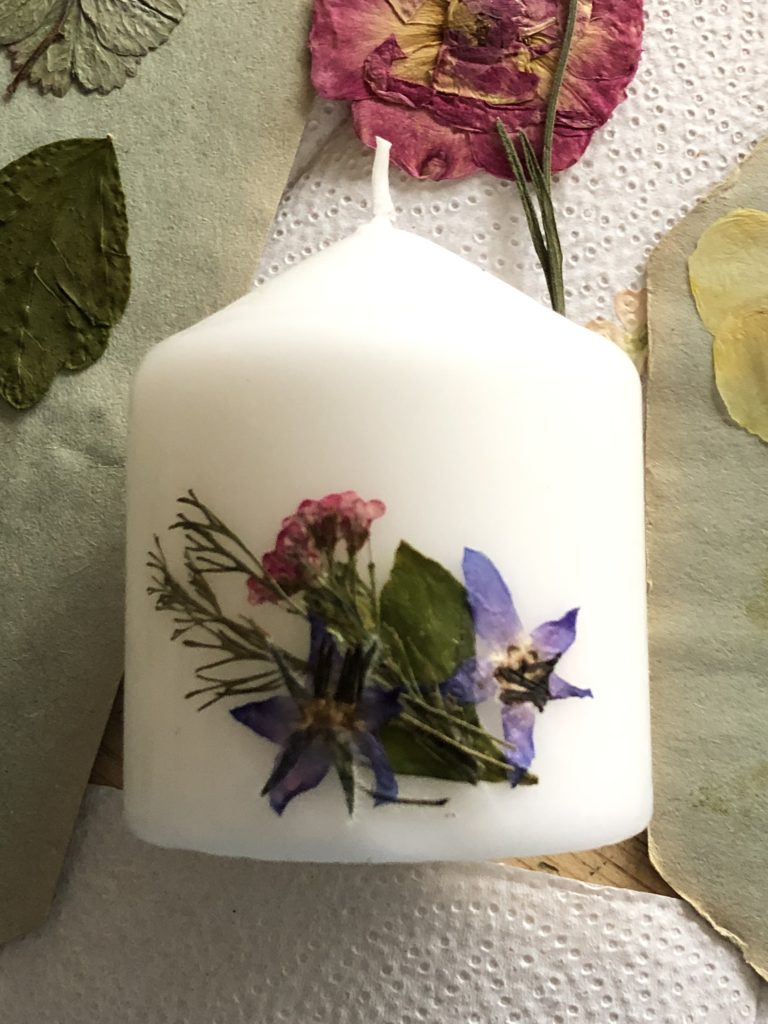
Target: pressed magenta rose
[(432, 76)]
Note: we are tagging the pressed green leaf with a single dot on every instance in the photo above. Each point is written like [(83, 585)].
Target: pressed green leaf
[(427, 627), (411, 752), (427, 608), (487, 772), (64, 271), (96, 43)]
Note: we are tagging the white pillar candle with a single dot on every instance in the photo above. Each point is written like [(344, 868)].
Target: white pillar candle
[(392, 368)]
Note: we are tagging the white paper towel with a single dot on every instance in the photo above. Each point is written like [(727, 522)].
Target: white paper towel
[(141, 935)]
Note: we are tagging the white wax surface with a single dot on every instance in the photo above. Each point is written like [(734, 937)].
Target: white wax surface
[(389, 366)]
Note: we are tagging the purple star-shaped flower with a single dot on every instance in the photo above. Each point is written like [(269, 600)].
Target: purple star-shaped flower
[(516, 667), (331, 724)]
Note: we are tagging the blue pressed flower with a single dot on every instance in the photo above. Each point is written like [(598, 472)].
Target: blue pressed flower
[(331, 724), (515, 666)]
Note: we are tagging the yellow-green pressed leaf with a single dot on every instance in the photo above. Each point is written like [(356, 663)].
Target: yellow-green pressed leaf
[(96, 43), (65, 273), (728, 270), (741, 368)]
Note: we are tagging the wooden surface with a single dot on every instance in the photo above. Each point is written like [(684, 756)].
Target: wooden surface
[(625, 865)]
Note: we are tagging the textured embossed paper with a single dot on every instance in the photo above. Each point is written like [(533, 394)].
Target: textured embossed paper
[(205, 136), (708, 496), (141, 935)]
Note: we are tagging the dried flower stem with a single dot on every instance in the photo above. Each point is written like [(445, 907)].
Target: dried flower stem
[(198, 615), (211, 556), (542, 225), (410, 801), (477, 730), (54, 36), (554, 92), (469, 751)]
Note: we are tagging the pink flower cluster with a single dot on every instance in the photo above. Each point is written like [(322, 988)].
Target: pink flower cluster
[(315, 529)]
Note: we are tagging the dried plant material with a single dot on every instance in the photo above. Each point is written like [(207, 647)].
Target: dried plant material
[(728, 274), (729, 268), (607, 328), (631, 333), (707, 496), (96, 43), (66, 272), (392, 676), (631, 307), (741, 368), (433, 76), (427, 608)]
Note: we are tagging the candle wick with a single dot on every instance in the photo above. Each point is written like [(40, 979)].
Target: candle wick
[(382, 199)]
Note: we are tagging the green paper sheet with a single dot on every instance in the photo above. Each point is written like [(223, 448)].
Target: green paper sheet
[(708, 549), (205, 136)]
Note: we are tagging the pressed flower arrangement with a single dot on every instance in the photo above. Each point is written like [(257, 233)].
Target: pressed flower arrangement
[(393, 674)]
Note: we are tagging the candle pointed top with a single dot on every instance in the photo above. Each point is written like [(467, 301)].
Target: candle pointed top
[(382, 200)]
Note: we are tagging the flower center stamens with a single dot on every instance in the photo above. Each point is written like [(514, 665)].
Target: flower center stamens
[(326, 715), (523, 675)]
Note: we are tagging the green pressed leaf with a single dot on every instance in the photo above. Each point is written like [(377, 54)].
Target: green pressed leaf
[(64, 271), (96, 43), (413, 753), (427, 608), (428, 630), (487, 772)]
